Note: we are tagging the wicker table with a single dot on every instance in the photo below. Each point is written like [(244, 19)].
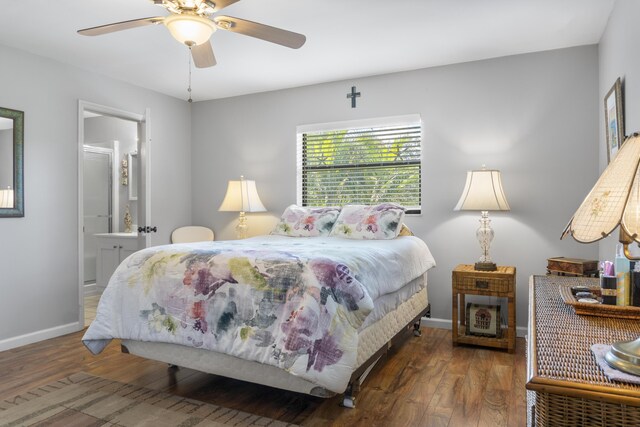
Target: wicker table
[(566, 386)]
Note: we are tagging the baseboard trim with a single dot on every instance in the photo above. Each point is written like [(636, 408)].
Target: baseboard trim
[(45, 334), (436, 323), (446, 324)]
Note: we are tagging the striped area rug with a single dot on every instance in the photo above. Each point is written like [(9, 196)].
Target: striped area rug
[(85, 400)]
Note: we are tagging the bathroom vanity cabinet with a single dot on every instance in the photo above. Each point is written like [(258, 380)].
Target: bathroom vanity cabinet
[(112, 249)]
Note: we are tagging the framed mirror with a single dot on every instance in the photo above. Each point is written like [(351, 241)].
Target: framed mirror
[(11, 163)]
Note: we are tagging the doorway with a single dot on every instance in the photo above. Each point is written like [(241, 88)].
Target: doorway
[(109, 141)]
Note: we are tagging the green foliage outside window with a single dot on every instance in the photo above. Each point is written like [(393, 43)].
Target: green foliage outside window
[(362, 166)]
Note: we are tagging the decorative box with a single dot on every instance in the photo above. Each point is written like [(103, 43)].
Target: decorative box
[(572, 267)]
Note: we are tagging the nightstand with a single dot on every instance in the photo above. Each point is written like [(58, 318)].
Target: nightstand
[(500, 283)]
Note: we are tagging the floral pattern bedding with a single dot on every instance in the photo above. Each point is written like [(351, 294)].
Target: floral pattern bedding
[(294, 303), (382, 221), (299, 221)]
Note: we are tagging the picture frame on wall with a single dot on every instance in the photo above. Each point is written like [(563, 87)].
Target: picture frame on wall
[(614, 120)]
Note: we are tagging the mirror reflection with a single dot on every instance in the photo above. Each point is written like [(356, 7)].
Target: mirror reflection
[(6, 163)]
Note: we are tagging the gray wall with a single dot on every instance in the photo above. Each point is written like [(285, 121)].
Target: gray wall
[(618, 57), (39, 282), (534, 117)]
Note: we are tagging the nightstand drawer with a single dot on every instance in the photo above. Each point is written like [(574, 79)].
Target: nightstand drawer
[(468, 282)]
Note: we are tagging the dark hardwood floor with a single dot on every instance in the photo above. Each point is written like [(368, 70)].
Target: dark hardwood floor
[(425, 381)]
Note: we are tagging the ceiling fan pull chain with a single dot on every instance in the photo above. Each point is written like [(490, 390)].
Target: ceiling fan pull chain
[(189, 89)]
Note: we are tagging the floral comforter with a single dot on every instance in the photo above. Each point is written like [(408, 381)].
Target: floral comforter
[(295, 303)]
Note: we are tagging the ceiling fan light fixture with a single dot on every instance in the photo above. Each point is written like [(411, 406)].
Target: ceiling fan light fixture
[(190, 29)]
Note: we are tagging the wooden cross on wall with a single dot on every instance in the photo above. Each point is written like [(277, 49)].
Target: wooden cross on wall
[(353, 95)]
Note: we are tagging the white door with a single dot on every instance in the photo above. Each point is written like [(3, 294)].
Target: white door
[(145, 228), (96, 200)]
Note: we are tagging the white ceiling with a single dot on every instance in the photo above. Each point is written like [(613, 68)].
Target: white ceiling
[(346, 39)]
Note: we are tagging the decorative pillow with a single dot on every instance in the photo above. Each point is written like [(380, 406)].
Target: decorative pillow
[(382, 221), (298, 221), (405, 231)]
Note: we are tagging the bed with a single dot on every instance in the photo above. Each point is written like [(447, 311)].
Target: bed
[(307, 314)]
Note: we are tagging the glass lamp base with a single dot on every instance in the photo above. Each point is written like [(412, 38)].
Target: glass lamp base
[(242, 227), (485, 266), (485, 236)]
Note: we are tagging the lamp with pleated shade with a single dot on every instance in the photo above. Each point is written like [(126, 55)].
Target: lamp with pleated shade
[(242, 196)]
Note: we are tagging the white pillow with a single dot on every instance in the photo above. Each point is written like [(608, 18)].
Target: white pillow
[(382, 221)]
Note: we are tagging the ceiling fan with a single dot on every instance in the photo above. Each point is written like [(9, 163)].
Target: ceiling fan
[(191, 23)]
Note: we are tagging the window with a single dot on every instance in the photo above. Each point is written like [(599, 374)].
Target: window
[(361, 162)]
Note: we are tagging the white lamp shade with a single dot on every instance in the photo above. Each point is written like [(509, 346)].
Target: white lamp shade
[(242, 196), (6, 198), (190, 29), (483, 192)]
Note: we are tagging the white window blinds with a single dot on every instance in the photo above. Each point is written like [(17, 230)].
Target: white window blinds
[(367, 162)]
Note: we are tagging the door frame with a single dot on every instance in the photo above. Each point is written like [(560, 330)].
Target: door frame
[(143, 120)]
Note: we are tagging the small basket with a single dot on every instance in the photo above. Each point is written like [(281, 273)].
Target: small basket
[(601, 310)]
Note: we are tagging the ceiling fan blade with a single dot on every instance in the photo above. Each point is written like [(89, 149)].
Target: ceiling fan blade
[(203, 56), (119, 26), (218, 5), (260, 31)]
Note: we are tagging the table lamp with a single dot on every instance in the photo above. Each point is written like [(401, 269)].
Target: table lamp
[(483, 192), (614, 201), (242, 196)]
